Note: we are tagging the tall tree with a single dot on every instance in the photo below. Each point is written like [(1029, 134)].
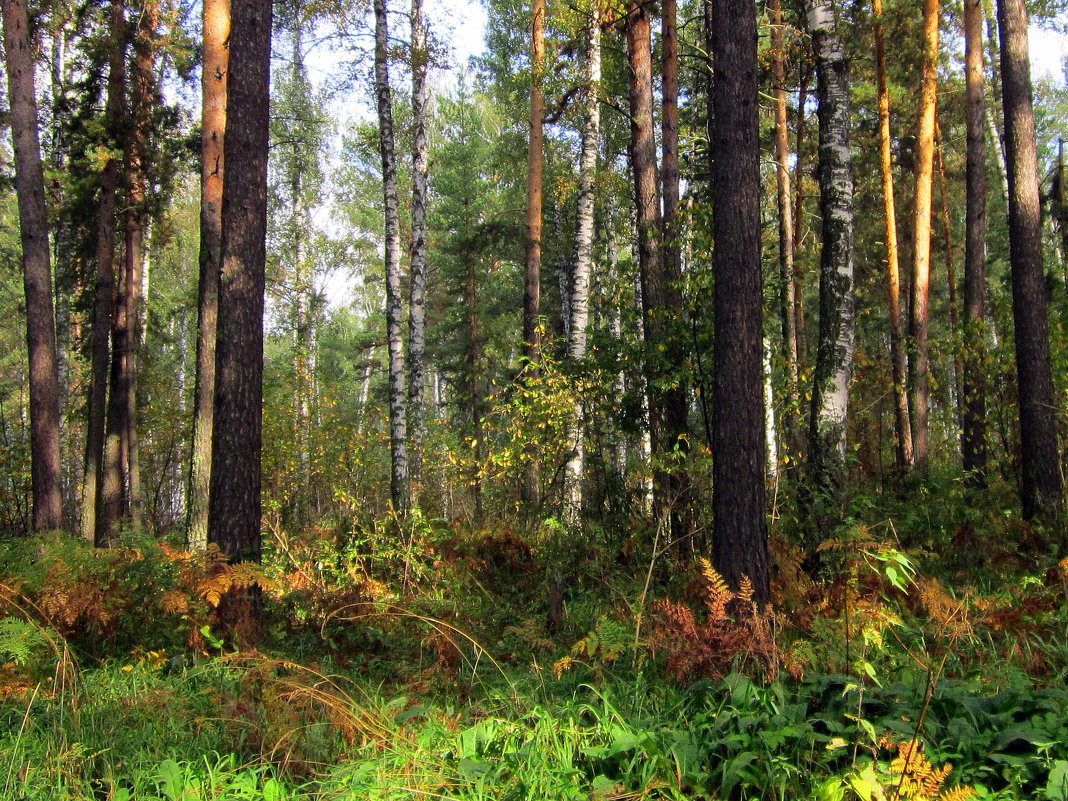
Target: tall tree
[(921, 238), (216, 24), (94, 479), (675, 435), (532, 268), (237, 437), (580, 281), (1042, 483), (45, 419), (398, 427), (417, 298), (784, 200), (740, 547), (898, 355), (834, 356)]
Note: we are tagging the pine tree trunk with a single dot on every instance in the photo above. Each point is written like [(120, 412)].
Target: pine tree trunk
[(898, 354), (580, 285), (398, 424), (920, 366), (784, 198), (834, 356), (1042, 483), (740, 549), (676, 400), (532, 273), (237, 438), (216, 23), (45, 420), (417, 298), (973, 419), (94, 479)]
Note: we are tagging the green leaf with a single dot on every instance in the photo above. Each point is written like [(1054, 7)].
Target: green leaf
[(1057, 784), (866, 785)]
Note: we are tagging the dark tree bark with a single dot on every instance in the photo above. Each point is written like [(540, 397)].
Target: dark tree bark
[(216, 20), (834, 356), (740, 548), (417, 298), (94, 480), (45, 421), (398, 418), (1042, 484), (676, 401), (237, 438)]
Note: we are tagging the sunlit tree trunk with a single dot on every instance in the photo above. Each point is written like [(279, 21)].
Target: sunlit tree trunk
[(216, 24), (920, 366), (235, 501), (398, 426), (650, 262), (93, 476), (784, 198), (532, 272), (417, 298), (740, 548), (45, 421), (1042, 488), (580, 286), (834, 356), (973, 403), (898, 354)]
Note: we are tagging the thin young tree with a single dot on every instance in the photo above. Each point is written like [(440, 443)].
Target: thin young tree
[(417, 296), (237, 437), (920, 366), (834, 355), (580, 281), (784, 201), (898, 354), (93, 476), (1042, 483), (45, 421), (398, 425), (675, 401), (740, 547), (216, 25), (532, 263)]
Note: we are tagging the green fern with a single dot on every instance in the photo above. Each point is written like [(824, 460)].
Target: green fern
[(22, 642)]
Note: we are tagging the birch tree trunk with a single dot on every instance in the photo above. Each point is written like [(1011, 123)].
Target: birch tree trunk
[(898, 355), (216, 24), (1042, 484), (398, 427), (920, 367), (834, 356), (580, 287), (45, 419)]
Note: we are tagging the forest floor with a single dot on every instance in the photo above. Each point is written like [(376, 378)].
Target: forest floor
[(927, 661)]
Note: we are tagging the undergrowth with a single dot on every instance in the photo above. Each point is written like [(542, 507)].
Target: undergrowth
[(432, 674)]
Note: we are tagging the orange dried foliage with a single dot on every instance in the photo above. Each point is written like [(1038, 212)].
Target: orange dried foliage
[(708, 644)]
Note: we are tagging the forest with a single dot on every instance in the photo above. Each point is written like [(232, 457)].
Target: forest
[(655, 399)]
